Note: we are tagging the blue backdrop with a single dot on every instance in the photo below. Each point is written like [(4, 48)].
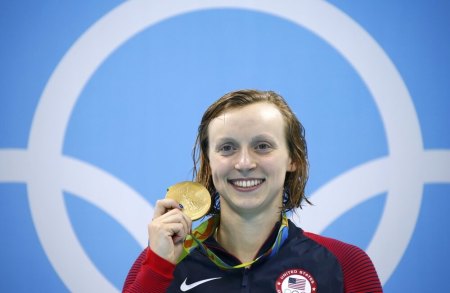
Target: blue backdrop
[(100, 100)]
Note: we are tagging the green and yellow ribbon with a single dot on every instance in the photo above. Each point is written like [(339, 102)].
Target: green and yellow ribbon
[(207, 228)]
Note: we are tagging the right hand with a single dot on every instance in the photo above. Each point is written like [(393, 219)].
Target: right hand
[(168, 229)]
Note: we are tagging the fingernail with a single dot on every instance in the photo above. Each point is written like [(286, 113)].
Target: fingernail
[(181, 206)]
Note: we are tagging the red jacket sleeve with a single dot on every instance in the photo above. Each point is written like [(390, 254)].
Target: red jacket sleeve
[(359, 272), (149, 273)]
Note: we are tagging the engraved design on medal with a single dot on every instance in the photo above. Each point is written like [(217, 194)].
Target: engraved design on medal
[(194, 197)]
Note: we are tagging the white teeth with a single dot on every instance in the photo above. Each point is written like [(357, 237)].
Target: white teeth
[(247, 183)]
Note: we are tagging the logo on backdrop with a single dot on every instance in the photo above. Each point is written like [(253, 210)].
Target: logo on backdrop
[(397, 173)]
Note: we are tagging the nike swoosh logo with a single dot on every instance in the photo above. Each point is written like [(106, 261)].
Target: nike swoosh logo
[(185, 287)]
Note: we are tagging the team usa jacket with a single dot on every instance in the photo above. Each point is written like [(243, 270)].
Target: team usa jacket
[(305, 263)]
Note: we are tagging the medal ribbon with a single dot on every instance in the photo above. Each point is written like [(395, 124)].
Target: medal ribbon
[(207, 228)]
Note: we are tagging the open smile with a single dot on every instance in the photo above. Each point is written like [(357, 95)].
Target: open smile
[(246, 183)]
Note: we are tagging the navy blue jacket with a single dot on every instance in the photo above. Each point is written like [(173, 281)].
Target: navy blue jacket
[(305, 263)]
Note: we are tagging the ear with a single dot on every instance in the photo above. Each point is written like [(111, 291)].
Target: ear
[(291, 166)]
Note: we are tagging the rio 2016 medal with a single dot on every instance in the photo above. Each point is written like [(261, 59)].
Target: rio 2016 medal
[(193, 196)]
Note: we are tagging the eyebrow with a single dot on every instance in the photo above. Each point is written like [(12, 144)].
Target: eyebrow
[(258, 138), (226, 139), (264, 137)]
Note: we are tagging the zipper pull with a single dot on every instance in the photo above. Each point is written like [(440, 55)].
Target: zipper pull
[(245, 278)]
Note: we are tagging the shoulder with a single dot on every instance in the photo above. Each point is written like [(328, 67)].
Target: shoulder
[(357, 267), (344, 252)]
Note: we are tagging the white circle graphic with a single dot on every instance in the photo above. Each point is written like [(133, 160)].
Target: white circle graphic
[(398, 173)]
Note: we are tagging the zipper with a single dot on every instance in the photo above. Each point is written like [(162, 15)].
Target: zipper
[(245, 286)]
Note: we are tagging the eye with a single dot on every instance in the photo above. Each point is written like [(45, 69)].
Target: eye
[(263, 147), (226, 149)]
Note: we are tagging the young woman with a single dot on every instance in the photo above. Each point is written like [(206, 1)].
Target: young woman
[(250, 154)]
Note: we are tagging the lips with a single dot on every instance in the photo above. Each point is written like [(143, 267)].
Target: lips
[(246, 183)]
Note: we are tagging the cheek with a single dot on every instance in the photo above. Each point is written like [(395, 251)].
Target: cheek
[(218, 168), (279, 164), (218, 177)]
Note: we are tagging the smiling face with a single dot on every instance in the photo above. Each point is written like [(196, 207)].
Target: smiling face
[(249, 158)]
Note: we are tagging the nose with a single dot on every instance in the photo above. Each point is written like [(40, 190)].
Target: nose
[(245, 161)]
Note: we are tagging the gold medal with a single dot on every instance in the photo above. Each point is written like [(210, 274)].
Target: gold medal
[(193, 196)]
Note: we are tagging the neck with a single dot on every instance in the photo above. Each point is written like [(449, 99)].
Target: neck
[(245, 241)]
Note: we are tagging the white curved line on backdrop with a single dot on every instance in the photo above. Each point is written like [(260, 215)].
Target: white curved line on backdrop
[(372, 178), (53, 224), (57, 101), (109, 194), (435, 166), (62, 242), (350, 40)]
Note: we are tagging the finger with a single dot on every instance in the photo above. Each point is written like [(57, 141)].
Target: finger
[(174, 231), (164, 205), (179, 232), (175, 216), (165, 239)]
